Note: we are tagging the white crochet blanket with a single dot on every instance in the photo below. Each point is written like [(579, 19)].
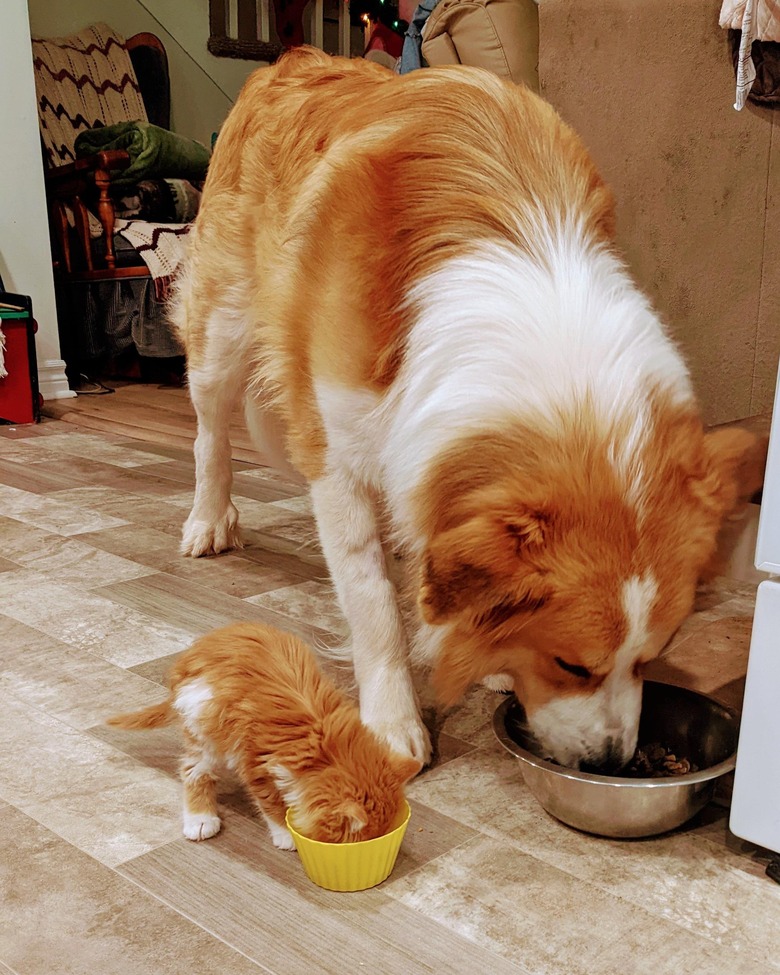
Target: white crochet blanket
[(161, 246)]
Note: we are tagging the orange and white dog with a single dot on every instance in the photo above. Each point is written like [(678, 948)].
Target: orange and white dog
[(414, 280)]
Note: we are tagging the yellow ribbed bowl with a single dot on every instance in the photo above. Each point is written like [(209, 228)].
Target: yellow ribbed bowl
[(351, 866)]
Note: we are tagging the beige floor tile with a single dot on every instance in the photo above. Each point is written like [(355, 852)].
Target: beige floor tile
[(230, 573), (301, 505), (713, 659), (159, 749), (55, 516), (66, 682), (134, 508), (65, 914), (491, 892), (68, 560), (98, 448), (88, 620), (313, 601), (35, 478), (680, 877), (95, 797), (195, 608), (31, 451), (27, 431), (324, 932)]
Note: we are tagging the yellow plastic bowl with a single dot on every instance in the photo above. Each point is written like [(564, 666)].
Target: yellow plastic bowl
[(351, 866)]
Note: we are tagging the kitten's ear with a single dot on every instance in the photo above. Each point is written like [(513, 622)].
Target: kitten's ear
[(405, 767), (356, 815)]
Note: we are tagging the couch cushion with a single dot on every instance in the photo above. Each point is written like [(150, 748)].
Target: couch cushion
[(499, 35)]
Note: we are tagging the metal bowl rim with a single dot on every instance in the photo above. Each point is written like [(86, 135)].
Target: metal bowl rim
[(667, 782)]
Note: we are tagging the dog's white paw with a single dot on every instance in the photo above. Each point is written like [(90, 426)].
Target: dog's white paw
[(201, 826), (405, 737), (501, 683), (202, 536), (281, 837)]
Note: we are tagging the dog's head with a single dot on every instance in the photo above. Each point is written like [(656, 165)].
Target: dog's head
[(573, 578)]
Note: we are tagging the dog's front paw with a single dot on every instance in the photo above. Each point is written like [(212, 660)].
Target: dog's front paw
[(407, 737), (201, 826), (202, 536)]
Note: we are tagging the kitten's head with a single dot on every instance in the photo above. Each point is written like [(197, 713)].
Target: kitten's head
[(350, 801)]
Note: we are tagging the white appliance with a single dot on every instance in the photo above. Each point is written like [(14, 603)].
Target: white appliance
[(755, 809)]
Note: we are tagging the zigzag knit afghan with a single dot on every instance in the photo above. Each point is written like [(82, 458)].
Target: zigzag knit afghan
[(83, 81)]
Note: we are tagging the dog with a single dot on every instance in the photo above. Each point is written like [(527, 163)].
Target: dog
[(415, 280)]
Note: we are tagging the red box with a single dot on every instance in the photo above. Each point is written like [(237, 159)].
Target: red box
[(19, 399)]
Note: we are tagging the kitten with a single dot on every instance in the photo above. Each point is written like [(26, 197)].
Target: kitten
[(253, 699)]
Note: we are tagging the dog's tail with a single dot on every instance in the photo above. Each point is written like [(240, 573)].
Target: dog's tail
[(152, 717)]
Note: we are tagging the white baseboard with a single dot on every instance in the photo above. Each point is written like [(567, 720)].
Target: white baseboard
[(52, 381)]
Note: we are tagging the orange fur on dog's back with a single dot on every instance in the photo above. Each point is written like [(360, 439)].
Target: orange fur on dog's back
[(254, 698), (306, 213)]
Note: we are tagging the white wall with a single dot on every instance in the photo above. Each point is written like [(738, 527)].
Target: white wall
[(25, 258), (203, 87)]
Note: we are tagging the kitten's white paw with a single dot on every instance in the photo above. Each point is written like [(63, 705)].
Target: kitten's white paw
[(501, 683), (201, 826), (280, 836), (210, 536)]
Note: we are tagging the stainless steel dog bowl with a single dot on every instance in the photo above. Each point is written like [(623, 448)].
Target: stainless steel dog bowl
[(691, 724)]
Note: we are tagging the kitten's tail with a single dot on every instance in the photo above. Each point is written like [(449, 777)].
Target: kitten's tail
[(152, 717)]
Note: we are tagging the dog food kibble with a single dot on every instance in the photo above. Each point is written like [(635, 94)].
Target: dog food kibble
[(655, 761)]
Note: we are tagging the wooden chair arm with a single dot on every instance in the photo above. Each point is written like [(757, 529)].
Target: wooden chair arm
[(63, 181)]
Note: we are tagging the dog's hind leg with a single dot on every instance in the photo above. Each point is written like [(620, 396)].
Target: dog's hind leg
[(217, 380)]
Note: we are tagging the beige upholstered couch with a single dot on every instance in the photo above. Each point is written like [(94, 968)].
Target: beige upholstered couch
[(649, 85)]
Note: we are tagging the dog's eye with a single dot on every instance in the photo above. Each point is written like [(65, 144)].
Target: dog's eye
[(575, 669)]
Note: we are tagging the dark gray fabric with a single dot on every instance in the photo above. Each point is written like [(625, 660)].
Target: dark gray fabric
[(411, 55)]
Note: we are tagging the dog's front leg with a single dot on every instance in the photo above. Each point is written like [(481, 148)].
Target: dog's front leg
[(350, 537)]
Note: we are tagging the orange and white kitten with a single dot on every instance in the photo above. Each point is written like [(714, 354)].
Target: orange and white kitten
[(253, 699)]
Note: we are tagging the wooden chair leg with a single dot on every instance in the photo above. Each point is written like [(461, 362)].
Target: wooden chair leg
[(106, 214)]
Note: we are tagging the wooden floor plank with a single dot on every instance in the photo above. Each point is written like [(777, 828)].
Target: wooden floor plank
[(151, 413)]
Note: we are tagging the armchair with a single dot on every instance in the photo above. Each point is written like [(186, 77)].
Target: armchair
[(90, 79)]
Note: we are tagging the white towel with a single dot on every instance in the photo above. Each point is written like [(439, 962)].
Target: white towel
[(3, 370), (759, 20)]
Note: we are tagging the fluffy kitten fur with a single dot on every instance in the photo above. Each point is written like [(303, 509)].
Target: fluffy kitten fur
[(253, 699)]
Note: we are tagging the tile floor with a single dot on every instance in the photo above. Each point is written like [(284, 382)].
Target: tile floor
[(95, 878)]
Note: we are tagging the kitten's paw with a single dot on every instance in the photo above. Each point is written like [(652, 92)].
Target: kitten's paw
[(210, 536), (281, 836), (201, 826)]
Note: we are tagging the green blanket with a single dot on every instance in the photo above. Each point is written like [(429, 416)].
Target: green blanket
[(154, 152)]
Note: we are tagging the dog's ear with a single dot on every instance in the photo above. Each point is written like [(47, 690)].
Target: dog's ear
[(488, 553), (732, 469)]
